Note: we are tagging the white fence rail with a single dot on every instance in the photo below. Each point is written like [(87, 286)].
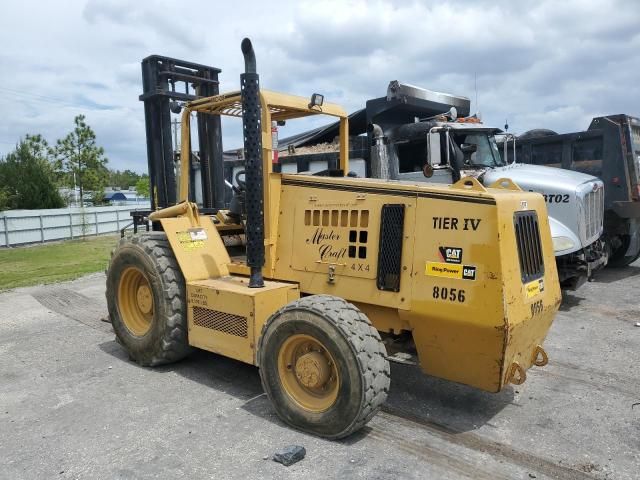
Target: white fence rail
[(20, 227)]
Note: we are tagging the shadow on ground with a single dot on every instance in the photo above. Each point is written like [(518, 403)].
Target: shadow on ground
[(413, 396), (611, 274), (569, 301)]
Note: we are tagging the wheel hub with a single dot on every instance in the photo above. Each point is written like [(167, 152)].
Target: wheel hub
[(308, 373), (312, 370), (144, 298), (135, 301)]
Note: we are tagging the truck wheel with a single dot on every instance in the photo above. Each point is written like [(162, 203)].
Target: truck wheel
[(618, 261), (323, 366), (146, 300), (617, 258)]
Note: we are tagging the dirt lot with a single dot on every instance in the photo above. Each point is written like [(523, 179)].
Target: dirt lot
[(73, 406)]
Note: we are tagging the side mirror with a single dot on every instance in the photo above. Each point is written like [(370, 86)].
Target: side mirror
[(433, 144)]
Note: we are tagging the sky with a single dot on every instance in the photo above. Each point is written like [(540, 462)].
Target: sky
[(542, 64)]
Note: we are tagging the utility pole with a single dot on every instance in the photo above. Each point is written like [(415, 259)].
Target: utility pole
[(475, 86), (175, 124), (75, 189)]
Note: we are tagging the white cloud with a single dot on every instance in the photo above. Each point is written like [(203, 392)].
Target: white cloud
[(548, 64)]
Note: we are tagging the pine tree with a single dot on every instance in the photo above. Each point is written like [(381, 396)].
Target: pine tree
[(78, 155)]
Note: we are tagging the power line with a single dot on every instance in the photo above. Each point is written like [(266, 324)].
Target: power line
[(33, 101), (22, 92), (33, 97)]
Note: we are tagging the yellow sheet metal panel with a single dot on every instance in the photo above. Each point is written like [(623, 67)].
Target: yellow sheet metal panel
[(328, 240), (384, 319), (457, 309), (199, 250), (225, 316), (471, 315), (461, 289), (530, 305), (220, 320)]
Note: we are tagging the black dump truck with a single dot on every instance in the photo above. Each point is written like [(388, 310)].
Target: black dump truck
[(610, 150)]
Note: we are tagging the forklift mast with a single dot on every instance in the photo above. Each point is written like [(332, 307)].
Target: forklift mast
[(166, 83)]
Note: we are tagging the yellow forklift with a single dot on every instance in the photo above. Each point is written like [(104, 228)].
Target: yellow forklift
[(320, 280)]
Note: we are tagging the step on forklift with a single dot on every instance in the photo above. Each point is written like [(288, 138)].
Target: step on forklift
[(333, 276)]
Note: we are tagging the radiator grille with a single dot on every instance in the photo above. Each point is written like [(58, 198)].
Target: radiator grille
[(593, 208), (529, 246), (390, 251), (220, 321)]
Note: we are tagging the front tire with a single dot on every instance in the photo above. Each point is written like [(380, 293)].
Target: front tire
[(147, 301), (323, 366)]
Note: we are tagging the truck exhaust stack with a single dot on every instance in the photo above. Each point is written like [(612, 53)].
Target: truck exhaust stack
[(384, 161)]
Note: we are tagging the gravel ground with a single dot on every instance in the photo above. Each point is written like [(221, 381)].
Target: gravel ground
[(73, 406)]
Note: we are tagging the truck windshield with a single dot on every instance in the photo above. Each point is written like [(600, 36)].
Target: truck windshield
[(486, 153)]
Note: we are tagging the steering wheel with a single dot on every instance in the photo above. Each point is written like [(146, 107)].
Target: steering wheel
[(242, 184)]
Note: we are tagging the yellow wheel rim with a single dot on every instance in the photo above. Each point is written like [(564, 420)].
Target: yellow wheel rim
[(135, 301), (308, 373)]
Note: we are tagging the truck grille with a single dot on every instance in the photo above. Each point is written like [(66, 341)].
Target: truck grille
[(593, 209), (529, 245)]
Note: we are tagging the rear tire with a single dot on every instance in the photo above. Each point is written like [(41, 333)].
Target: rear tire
[(617, 258), (146, 300), (323, 366)]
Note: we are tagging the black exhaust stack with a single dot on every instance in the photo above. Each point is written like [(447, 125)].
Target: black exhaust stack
[(251, 123)]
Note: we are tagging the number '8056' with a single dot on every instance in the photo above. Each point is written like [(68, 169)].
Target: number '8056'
[(450, 294)]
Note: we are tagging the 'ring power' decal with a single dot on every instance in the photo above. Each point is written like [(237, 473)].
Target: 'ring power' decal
[(448, 270), (534, 288)]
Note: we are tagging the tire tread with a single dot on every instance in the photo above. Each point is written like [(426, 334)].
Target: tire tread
[(173, 343), (365, 341)]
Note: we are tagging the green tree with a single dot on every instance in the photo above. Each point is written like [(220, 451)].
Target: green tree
[(79, 156), (4, 197), (123, 179), (142, 186), (27, 177)]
